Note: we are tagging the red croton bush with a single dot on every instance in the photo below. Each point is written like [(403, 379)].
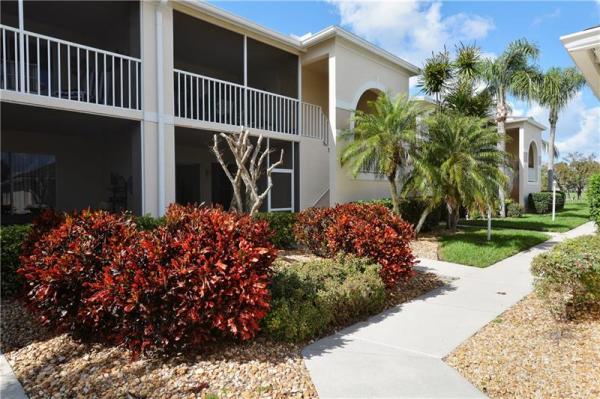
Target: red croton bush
[(205, 274), (42, 224), (63, 263), (370, 231)]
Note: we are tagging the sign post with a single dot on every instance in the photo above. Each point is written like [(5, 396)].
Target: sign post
[(553, 199)]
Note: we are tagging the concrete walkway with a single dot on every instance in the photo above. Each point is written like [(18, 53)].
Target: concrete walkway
[(398, 353), (10, 387)]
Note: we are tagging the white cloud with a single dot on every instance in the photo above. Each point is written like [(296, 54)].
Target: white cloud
[(411, 29), (577, 129), (544, 17)]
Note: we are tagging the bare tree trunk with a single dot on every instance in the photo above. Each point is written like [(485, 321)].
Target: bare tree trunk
[(249, 160), (394, 192), (421, 221), (501, 114), (237, 202), (454, 216), (551, 153)]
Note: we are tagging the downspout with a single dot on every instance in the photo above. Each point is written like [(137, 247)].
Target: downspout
[(160, 107)]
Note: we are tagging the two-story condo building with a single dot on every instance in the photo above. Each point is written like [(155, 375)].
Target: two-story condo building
[(114, 105)]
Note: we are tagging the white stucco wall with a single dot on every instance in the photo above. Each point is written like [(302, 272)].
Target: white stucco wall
[(528, 132)]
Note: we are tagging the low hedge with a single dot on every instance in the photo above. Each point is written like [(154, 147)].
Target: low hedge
[(542, 202), (593, 195), (514, 209), (568, 276), (148, 222), (11, 240), (311, 298), (282, 226), (411, 210)]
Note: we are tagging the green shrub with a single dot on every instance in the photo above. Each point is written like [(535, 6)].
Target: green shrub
[(148, 222), (593, 195), (282, 225), (11, 240), (411, 210), (568, 276), (514, 209), (542, 202), (311, 298)]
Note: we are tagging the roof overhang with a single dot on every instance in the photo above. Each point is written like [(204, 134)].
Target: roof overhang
[(515, 120), (300, 44), (584, 49), (333, 31)]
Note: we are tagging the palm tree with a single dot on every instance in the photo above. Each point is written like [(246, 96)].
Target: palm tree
[(557, 87), (512, 73), (380, 138), (436, 76), (456, 161), (456, 83)]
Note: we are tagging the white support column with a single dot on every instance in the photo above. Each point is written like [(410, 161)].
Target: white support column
[(299, 113), (333, 160), (160, 108), (522, 166), (22, 47), (245, 81)]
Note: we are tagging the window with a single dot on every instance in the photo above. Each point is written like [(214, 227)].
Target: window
[(281, 196), (28, 183), (532, 155)]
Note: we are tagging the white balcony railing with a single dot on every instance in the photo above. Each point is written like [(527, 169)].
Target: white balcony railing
[(207, 99), (60, 69)]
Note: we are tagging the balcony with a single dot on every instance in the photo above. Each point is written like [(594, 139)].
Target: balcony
[(41, 65), (222, 103)]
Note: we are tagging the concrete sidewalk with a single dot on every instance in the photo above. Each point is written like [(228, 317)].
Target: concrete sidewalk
[(398, 353), (10, 387)]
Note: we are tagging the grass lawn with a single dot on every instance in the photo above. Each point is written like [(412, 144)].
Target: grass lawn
[(470, 246), (574, 214)]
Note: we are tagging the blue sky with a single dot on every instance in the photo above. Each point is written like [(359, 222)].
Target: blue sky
[(412, 29)]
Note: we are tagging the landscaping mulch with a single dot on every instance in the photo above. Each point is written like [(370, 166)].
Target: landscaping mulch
[(63, 367), (59, 366), (425, 247), (526, 353)]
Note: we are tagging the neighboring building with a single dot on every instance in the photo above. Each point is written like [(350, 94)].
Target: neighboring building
[(115, 104), (584, 48), (525, 145)]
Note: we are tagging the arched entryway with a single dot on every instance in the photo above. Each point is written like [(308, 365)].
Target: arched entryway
[(366, 98)]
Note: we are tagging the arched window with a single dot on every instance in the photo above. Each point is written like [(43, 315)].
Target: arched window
[(363, 105), (532, 155), (532, 163)]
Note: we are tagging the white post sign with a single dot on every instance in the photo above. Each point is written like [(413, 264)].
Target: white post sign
[(553, 199)]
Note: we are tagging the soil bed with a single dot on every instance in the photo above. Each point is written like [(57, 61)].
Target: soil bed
[(525, 353)]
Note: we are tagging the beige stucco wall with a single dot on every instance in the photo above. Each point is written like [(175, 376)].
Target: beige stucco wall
[(357, 71)]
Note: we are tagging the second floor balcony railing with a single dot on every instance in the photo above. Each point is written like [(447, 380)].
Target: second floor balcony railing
[(205, 99), (41, 65)]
